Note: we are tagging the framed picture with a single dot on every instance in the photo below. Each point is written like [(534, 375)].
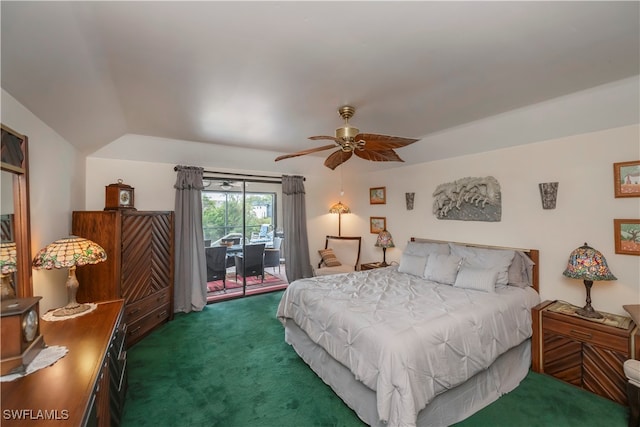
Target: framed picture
[(626, 179), (378, 195), (377, 224), (627, 235)]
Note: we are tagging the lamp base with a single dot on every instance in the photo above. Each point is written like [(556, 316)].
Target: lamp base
[(588, 311), (71, 309), (383, 264), (6, 290)]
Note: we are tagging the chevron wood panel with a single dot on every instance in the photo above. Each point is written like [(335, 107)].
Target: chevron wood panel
[(147, 258), (563, 358), (604, 372)]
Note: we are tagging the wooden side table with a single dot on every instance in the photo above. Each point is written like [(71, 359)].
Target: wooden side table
[(584, 352), (370, 266)]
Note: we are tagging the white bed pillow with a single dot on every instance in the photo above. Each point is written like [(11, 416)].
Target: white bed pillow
[(498, 259), (442, 268), (412, 264), (521, 270), (426, 248), (476, 278)]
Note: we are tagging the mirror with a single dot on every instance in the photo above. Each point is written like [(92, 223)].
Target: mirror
[(14, 219)]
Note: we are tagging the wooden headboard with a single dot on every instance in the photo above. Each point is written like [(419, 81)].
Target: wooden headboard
[(533, 254)]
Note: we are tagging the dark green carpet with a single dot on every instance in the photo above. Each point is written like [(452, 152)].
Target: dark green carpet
[(229, 366)]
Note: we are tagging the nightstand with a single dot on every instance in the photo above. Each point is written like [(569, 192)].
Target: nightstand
[(370, 266), (584, 352)]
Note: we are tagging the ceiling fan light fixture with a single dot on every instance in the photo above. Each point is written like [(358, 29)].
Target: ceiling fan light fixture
[(349, 140), (347, 132)]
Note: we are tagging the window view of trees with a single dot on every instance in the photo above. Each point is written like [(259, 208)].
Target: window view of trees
[(222, 215)]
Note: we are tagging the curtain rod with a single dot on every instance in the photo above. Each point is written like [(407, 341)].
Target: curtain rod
[(242, 174)]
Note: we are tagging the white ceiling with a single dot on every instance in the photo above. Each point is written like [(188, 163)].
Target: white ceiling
[(267, 75)]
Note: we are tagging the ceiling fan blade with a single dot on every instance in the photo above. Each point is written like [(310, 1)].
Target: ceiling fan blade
[(379, 155), (337, 158), (383, 142), (303, 152), (331, 138)]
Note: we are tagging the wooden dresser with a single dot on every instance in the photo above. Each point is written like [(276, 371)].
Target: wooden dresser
[(139, 266), (583, 352), (84, 388)]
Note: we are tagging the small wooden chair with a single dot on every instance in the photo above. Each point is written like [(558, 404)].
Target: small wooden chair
[(347, 251)]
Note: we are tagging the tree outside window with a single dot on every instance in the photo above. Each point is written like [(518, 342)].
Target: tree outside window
[(222, 215)]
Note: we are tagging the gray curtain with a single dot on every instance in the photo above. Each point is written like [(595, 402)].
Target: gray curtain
[(296, 247), (190, 286)]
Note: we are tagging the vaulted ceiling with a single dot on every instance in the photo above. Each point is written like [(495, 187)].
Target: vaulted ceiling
[(267, 75)]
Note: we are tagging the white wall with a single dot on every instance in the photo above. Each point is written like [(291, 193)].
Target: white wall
[(586, 207), (582, 164), (57, 181)]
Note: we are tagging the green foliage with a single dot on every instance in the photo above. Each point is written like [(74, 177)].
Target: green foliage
[(222, 213), (630, 232)]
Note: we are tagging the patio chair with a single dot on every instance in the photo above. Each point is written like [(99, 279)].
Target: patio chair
[(216, 257), (272, 255), (251, 261)]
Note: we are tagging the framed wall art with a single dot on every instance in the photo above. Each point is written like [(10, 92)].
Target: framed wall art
[(377, 224), (627, 236), (626, 179), (378, 195)]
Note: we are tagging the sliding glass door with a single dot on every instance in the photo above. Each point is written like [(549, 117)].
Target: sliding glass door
[(243, 216)]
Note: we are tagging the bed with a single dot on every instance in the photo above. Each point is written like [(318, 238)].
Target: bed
[(425, 343)]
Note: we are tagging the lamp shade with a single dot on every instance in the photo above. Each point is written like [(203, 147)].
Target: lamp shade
[(384, 240), (339, 208), (69, 252), (8, 257), (588, 264)]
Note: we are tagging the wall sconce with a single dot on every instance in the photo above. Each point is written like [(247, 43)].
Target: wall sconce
[(409, 199), (548, 194)]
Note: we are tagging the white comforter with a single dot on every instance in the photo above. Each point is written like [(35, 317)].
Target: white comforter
[(405, 337)]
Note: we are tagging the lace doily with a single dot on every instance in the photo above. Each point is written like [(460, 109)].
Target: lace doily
[(47, 356), (51, 318)]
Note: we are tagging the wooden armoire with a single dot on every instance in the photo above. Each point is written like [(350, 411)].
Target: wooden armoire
[(139, 266)]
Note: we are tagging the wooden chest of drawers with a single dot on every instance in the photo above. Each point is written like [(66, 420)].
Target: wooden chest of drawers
[(139, 266)]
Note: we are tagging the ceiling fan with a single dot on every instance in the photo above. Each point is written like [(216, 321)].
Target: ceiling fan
[(367, 146), (223, 185)]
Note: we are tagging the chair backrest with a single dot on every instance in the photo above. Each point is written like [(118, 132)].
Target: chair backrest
[(253, 254), (347, 249), (216, 257), (277, 242)]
